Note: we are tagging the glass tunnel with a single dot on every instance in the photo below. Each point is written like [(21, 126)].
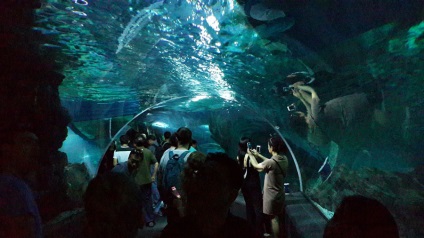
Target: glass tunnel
[(339, 81)]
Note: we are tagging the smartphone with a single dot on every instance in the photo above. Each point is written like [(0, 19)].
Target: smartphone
[(291, 107), (175, 192), (288, 89), (258, 148), (249, 145)]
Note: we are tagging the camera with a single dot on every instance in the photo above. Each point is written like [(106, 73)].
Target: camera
[(249, 145), (291, 107), (282, 89), (258, 148)]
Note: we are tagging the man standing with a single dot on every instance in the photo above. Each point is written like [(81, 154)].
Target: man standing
[(157, 151), (144, 179), (180, 154), (153, 144), (129, 167), (122, 152), (166, 144)]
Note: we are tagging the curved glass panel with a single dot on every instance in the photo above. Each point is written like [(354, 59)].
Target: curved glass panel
[(217, 126)]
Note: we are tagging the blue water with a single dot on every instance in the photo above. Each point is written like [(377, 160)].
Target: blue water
[(123, 57)]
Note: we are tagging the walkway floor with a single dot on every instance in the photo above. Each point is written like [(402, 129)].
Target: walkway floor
[(154, 232), (304, 220)]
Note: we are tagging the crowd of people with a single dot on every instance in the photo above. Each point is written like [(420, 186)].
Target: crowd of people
[(195, 190)]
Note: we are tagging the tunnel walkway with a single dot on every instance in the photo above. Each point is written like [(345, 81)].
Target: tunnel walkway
[(303, 220)]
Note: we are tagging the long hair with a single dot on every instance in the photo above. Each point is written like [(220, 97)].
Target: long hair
[(242, 148)]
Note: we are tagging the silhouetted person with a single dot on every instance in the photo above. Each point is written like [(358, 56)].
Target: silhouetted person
[(113, 206), (174, 141), (153, 144), (123, 150), (144, 178), (132, 135), (157, 151), (166, 144), (19, 215), (359, 216), (210, 188)]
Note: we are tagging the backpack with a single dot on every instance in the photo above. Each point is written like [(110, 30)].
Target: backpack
[(173, 170)]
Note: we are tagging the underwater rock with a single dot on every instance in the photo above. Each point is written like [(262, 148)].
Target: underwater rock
[(77, 178), (29, 98), (400, 193), (51, 185)]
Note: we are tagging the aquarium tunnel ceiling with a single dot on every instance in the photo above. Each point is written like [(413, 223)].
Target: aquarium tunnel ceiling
[(140, 52)]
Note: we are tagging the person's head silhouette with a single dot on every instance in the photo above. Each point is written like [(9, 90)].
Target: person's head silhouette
[(359, 216)]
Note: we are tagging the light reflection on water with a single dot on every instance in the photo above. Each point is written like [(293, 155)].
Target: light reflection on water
[(117, 50), (79, 151)]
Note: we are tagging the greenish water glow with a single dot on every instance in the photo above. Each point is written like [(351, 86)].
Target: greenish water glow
[(148, 52)]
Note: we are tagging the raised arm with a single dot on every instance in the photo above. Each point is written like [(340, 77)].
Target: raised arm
[(308, 89), (255, 164), (305, 102), (245, 160), (308, 97), (253, 154)]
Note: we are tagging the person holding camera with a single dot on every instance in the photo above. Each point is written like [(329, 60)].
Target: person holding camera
[(344, 124), (276, 171), (285, 87), (336, 120), (251, 188)]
